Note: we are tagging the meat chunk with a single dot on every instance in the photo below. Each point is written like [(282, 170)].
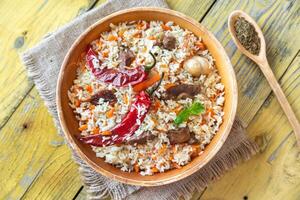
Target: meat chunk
[(141, 139), (182, 91), (178, 136), (127, 57), (193, 139), (169, 42), (107, 95)]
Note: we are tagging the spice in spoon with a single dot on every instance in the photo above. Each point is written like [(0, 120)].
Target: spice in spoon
[(246, 34)]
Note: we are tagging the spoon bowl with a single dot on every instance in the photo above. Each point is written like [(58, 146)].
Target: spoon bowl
[(231, 21)]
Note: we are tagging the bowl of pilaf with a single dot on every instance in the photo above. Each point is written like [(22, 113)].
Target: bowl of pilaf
[(146, 96)]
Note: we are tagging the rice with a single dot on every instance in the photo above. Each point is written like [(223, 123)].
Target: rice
[(158, 154)]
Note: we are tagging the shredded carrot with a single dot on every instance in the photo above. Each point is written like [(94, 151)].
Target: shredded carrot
[(110, 113), (99, 44), (162, 150), (185, 43), (192, 52), (125, 99), (96, 130), (140, 155), (137, 35), (171, 157), (213, 98), (177, 109), (174, 149), (77, 102), (200, 45), (89, 88), (175, 165), (105, 132), (203, 121), (151, 37), (195, 150), (83, 127), (154, 169), (152, 78), (156, 105), (165, 27), (92, 107), (140, 26), (136, 168), (155, 121), (105, 54), (112, 38), (211, 111), (121, 33), (168, 85)]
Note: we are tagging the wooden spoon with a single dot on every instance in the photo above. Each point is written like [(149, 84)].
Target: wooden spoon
[(262, 62)]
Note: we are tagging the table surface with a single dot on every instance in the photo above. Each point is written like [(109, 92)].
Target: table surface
[(35, 163)]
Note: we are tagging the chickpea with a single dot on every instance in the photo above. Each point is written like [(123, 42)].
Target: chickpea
[(196, 66)]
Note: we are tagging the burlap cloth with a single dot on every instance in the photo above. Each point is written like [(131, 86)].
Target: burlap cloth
[(43, 63)]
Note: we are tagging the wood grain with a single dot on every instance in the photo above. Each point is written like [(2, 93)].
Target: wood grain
[(21, 28), (275, 172), (28, 137), (194, 9), (34, 31), (60, 170), (271, 16), (82, 195), (32, 149), (281, 98)]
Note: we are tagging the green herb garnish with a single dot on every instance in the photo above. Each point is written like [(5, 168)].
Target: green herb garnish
[(195, 109)]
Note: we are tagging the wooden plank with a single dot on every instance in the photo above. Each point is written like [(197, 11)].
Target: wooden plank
[(32, 149), (82, 195), (275, 172), (282, 45), (22, 27), (44, 181), (191, 8), (58, 179)]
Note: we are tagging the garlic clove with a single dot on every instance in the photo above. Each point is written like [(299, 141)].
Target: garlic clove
[(197, 66)]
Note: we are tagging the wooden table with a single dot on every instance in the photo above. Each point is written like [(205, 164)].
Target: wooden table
[(35, 163)]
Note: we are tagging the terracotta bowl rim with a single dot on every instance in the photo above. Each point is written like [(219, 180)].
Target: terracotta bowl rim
[(187, 172)]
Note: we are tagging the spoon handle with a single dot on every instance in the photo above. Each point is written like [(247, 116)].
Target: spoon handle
[(265, 68)]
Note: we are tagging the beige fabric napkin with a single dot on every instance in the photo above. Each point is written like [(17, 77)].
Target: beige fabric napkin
[(43, 63)]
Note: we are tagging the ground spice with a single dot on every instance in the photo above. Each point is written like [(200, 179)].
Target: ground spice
[(246, 34)]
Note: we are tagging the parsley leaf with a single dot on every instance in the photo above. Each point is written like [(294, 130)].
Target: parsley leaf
[(195, 109)]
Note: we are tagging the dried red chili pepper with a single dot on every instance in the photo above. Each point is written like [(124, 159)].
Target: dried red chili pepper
[(122, 77), (130, 123)]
